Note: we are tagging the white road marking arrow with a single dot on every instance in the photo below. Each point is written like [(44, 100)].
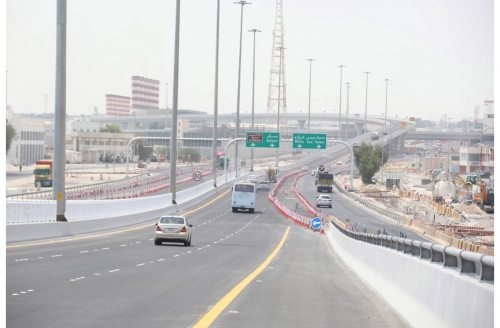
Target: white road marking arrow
[(300, 146), (252, 144), (272, 145)]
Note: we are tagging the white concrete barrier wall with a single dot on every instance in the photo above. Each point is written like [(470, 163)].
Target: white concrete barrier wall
[(91, 216), (424, 293)]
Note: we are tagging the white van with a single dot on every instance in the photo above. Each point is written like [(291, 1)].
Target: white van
[(243, 197)]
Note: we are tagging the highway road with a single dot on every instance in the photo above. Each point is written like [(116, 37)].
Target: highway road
[(120, 279), (269, 273)]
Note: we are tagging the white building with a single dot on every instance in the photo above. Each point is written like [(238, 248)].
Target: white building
[(481, 157), (81, 124), (28, 146), (94, 144)]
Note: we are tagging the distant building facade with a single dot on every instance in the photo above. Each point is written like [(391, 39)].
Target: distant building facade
[(481, 157), (117, 105), (28, 146), (145, 95)]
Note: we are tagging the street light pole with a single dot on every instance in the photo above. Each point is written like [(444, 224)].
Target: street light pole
[(347, 112), (309, 113), (340, 101), (216, 101), (237, 165), (114, 144), (279, 100), (175, 98), (385, 122), (166, 123), (366, 101), (253, 93)]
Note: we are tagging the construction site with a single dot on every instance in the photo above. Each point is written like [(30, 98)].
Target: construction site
[(441, 206)]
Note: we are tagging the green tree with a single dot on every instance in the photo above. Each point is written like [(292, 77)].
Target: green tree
[(110, 128), (10, 135), (369, 160)]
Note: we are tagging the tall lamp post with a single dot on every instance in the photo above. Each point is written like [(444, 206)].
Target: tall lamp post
[(340, 101), (385, 122), (216, 100), (237, 165), (309, 113), (166, 123), (366, 100), (253, 92), (279, 100), (114, 144), (347, 110)]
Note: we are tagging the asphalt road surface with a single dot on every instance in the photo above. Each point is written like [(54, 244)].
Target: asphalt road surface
[(120, 279)]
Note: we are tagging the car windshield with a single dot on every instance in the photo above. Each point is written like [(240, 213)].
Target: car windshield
[(264, 182), (172, 220)]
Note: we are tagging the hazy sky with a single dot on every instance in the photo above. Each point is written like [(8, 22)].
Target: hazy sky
[(438, 55)]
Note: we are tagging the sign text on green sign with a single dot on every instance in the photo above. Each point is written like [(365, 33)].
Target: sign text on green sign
[(262, 140), (309, 140)]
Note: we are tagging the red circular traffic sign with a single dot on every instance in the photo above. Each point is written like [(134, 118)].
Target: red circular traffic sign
[(197, 175)]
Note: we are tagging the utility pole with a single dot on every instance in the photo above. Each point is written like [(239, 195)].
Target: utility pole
[(279, 96)]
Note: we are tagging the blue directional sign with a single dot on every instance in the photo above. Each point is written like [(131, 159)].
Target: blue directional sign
[(316, 223)]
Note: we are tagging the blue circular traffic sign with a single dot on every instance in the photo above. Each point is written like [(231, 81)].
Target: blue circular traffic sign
[(316, 223)]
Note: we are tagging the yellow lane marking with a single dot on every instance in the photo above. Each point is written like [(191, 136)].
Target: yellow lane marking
[(210, 317), (210, 202), (114, 232)]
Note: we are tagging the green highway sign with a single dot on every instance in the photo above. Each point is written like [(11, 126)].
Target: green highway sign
[(309, 141), (263, 140)]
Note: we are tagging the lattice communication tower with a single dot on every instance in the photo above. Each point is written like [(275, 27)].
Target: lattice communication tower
[(274, 80)]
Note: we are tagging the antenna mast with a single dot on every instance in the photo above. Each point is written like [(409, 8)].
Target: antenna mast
[(277, 84)]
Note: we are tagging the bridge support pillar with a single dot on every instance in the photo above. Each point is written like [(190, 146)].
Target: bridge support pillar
[(302, 124), (401, 143), (359, 129)]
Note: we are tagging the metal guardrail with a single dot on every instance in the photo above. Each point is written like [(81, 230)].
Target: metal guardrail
[(466, 262), (78, 189)]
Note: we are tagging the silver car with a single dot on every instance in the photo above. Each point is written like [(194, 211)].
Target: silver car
[(174, 229), (324, 200), (252, 178), (263, 185)]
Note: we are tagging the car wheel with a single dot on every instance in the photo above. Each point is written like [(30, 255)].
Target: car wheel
[(235, 210), (157, 242), (189, 242), (186, 243), (330, 206), (252, 210)]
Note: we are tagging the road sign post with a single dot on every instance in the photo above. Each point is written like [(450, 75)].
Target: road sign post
[(197, 176), (309, 141), (262, 140), (316, 224)]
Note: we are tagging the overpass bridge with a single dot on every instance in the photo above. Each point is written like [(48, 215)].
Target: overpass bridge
[(471, 137)]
